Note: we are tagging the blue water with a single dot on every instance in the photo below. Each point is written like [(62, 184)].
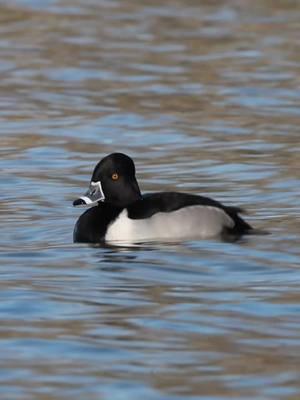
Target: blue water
[(204, 97)]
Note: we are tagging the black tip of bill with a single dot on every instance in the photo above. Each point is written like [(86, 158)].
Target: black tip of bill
[(79, 202)]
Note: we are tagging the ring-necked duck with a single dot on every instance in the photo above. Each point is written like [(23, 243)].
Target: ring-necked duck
[(119, 212)]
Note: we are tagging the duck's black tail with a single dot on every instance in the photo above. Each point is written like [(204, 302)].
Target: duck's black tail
[(241, 227)]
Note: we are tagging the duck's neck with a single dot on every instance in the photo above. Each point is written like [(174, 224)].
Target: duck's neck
[(129, 195)]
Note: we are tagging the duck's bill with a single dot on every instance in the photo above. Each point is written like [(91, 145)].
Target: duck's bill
[(92, 196)]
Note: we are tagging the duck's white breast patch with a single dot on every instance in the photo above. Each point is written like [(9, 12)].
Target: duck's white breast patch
[(187, 222)]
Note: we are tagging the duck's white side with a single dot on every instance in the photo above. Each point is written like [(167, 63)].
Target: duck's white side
[(194, 221)]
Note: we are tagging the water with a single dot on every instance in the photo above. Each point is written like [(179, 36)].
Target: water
[(205, 98)]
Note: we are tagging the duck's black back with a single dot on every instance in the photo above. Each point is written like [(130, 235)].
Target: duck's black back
[(172, 201)]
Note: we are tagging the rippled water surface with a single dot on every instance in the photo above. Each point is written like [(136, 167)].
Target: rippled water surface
[(205, 96)]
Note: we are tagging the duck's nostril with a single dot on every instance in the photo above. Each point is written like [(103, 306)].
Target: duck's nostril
[(78, 202)]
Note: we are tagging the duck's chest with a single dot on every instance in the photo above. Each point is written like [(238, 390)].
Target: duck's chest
[(188, 222)]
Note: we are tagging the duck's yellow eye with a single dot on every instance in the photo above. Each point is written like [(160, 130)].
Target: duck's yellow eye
[(115, 176)]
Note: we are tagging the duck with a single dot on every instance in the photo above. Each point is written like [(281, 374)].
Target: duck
[(119, 212)]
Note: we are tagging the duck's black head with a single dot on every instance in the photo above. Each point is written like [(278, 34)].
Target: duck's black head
[(113, 181)]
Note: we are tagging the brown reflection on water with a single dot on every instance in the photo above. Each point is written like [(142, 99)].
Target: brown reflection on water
[(164, 349)]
